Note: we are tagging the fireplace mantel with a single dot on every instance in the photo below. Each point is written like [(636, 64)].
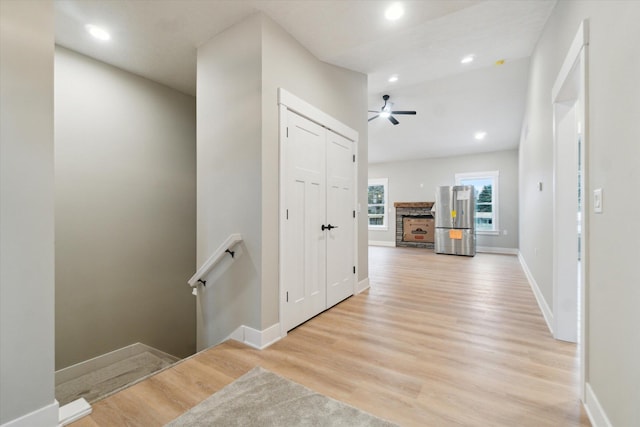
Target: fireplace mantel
[(427, 205)]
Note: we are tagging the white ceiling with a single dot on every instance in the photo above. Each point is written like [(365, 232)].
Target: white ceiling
[(158, 40)]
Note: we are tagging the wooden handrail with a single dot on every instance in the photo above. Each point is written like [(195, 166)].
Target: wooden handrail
[(225, 247)]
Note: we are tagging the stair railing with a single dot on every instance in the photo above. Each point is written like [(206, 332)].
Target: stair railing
[(217, 255)]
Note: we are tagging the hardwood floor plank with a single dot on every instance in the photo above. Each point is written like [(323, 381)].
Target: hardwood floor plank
[(436, 341)]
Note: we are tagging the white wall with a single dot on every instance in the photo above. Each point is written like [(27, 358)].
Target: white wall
[(239, 72), (26, 214), (416, 181), (125, 211), (613, 156)]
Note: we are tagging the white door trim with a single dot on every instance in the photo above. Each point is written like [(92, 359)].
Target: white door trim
[(303, 108), (288, 101), (571, 87)]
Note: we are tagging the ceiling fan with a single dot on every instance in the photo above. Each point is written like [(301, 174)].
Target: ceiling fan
[(386, 112)]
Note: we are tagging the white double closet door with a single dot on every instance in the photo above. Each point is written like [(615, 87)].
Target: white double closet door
[(318, 268)]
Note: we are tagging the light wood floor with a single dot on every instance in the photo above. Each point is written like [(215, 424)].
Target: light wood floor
[(437, 341)]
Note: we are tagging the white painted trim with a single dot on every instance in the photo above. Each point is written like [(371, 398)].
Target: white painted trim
[(255, 338), (576, 61), (73, 411), (594, 410), (495, 194), (356, 224), (362, 285), (314, 114), (386, 220), (104, 360), (581, 39), (282, 126), (544, 307), (217, 255), (496, 250), (47, 416), (382, 243), (287, 101)]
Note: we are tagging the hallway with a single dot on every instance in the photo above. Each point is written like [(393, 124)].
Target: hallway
[(436, 341)]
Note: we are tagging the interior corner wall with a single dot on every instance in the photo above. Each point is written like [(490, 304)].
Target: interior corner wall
[(613, 155), (239, 73), (338, 92), (417, 180), (229, 170), (26, 214), (125, 211)]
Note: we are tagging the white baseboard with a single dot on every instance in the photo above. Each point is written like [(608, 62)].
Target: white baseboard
[(255, 338), (492, 250), (594, 410), (544, 307), (47, 416), (382, 243), (73, 411), (104, 360), (362, 285)]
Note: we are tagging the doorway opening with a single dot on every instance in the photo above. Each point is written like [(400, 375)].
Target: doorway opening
[(570, 249)]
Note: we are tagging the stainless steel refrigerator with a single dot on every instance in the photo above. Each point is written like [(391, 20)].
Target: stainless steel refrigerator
[(454, 212)]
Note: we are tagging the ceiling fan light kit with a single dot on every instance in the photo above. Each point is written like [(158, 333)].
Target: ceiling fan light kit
[(387, 113)]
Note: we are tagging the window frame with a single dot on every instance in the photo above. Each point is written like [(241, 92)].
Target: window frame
[(495, 196), (385, 219)]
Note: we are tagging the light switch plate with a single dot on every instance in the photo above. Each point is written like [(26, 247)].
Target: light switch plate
[(597, 200)]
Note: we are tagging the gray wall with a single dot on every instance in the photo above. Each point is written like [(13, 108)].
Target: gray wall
[(125, 211), (613, 156), (416, 181), (26, 213), (239, 72), (229, 121)]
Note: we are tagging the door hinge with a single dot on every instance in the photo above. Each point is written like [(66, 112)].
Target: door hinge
[(354, 158), (354, 269), (354, 214), (287, 213), (287, 297), (287, 132)]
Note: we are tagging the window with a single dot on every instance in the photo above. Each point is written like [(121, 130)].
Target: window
[(378, 206), (485, 185)]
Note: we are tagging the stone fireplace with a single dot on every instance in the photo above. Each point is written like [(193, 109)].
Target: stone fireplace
[(414, 224)]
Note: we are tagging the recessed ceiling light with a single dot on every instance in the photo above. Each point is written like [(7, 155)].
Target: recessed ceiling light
[(480, 135), (467, 59), (394, 12), (97, 32), (393, 78)]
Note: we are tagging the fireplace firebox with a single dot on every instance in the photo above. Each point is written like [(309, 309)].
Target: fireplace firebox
[(414, 224)]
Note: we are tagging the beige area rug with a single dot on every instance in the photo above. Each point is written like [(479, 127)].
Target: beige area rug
[(262, 398)]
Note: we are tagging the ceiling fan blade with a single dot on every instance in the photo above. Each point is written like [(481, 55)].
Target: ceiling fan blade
[(374, 111), (393, 120), (374, 117), (413, 113)]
